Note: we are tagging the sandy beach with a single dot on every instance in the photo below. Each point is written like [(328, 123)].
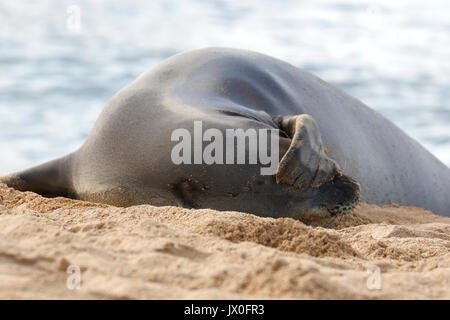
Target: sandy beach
[(147, 252)]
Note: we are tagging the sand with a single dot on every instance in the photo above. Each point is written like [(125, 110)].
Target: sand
[(147, 252)]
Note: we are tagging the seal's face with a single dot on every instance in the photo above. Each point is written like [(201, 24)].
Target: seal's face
[(335, 197), (230, 188), (339, 196)]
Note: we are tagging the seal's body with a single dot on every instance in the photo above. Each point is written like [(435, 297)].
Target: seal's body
[(327, 141)]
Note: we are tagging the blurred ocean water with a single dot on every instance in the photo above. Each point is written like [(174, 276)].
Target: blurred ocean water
[(56, 75)]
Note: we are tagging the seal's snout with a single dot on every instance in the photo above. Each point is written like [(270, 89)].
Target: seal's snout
[(340, 195)]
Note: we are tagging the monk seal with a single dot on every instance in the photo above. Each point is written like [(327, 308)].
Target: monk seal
[(334, 150)]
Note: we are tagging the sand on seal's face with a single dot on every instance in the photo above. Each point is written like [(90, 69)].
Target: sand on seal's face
[(172, 253)]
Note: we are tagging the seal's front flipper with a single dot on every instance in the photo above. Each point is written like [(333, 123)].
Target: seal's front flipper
[(305, 164)]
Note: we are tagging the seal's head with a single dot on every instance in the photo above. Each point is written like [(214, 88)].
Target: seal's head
[(232, 188), (336, 197), (339, 196)]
